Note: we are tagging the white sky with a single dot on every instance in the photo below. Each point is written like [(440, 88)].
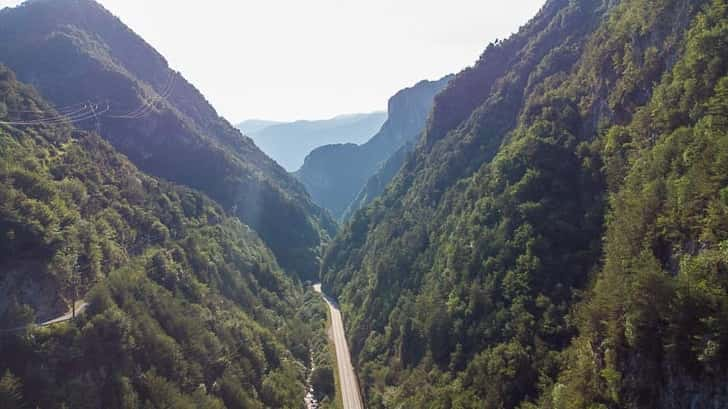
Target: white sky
[(310, 59)]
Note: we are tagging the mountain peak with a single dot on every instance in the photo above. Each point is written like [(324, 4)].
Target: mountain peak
[(335, 174), (76, 52)]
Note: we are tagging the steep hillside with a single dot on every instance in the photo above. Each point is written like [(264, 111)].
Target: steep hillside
[(335, 174), (374, 187), (107, 79), (288, 143), (653, 330), (187, 306), (460, 282)]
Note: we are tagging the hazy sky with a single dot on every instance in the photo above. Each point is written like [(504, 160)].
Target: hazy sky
[(294, 59)]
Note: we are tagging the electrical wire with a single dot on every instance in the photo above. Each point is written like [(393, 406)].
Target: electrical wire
[(148, 104), (61, 110), (89, 111), (57, 116)]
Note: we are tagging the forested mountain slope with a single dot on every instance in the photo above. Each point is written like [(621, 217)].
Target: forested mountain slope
[(89, 65), (557, 237), (188, 307), (289, 143), (334, 174), (375, 185)]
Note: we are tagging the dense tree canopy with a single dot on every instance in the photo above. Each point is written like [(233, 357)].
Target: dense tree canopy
[(598, 119), (187, 306), (558, 237)]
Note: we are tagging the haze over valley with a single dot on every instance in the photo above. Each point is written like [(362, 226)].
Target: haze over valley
[(288, 143)]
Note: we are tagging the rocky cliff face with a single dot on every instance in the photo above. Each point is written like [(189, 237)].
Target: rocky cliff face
[(408, 111), (375, 186), (28, 282), (335, 174)]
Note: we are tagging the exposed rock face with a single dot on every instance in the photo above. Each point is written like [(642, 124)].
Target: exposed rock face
[(335, 174), (376, 184), (26, 282)]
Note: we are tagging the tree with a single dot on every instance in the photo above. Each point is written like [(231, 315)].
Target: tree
[(322, 381), (16, 314), (11, 392)]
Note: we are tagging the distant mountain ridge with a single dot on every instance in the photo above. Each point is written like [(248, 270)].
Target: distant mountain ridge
[(335, 174), (255, 125), (288, 143)]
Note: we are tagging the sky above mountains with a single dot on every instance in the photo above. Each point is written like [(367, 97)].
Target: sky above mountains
[(289, 59)]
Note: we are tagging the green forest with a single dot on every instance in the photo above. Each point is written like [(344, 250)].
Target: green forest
[(556, 237), (558, 241), (187, 307)]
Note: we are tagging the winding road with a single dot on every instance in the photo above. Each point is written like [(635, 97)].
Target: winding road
[(347, 378), (80, 308)]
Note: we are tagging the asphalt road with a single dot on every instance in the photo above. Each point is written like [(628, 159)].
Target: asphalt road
[(347, 378), (80, 307)]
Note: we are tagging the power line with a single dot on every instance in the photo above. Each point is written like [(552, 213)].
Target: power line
[(56, 118), (88, 112), (84, 111), (162, 97), (148, 104), (67, 109)]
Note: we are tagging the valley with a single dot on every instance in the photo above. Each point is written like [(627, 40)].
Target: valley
[(288, 143), (347, 377), (546, 228)]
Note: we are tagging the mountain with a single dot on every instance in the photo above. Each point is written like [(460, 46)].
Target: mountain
[(288, 143), (557, 238), (377, 183), (105, 78), (187, 307), (334, 174), (255, 125)]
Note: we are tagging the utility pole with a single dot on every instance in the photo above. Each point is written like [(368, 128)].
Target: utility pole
[(74, 289)]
